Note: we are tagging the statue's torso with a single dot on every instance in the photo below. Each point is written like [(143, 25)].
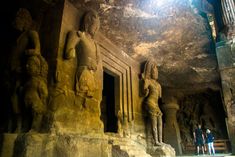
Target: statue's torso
[(87, 52), (35, 89), (153, 96), (154, 88)]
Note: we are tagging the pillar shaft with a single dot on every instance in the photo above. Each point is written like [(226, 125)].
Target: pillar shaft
[(227, 73), (171, 128)]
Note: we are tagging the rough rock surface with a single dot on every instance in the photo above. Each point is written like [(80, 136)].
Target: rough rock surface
[(175, 33), (73, 145)]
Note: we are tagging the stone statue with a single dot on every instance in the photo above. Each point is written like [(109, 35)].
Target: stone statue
[(81, 44), (26, 43), (35, 89), (119, 123), (152, 92)]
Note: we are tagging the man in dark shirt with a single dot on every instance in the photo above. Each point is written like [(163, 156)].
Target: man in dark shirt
[(199, 138)]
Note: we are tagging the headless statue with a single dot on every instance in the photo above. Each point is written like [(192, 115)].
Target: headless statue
[(81, 44)]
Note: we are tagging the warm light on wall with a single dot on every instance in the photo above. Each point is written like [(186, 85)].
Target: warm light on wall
[(158, 2)]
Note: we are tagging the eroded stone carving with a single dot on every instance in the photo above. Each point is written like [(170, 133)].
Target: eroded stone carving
[(81, 44), (152, 91), (35, 89), (28, 42)]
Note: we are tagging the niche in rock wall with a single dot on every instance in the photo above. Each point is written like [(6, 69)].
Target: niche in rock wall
[(117, 98), (108, 104), (204, 108)]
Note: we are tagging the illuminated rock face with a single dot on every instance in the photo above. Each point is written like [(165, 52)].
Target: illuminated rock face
[(183, 48), (95, 105)]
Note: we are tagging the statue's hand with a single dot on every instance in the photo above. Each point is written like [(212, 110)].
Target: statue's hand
[(92, 66), (32, 51), (81, 34), (71, 53), (146, 92)]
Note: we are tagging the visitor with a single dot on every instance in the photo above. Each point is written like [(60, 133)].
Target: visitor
[(199, 139), (210, 140)]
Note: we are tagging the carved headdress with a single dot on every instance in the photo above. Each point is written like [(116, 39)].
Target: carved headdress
[(148, 68), (23, 18), (90, 19)]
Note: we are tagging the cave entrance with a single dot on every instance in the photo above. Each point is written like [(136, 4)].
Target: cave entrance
[(108, 105)]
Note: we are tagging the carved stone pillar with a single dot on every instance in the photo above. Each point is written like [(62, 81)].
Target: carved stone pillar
[(226, 61), (171, 127), (228, 8), (225, 55)]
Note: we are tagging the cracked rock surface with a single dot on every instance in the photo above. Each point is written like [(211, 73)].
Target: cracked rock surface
[(175, 33)]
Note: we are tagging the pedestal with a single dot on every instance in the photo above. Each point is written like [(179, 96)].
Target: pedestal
[(7, 144), (163, 150)]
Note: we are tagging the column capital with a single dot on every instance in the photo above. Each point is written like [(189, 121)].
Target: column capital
[(170, 106)]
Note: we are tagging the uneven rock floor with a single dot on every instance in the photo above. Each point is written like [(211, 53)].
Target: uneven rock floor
[(216, 155)]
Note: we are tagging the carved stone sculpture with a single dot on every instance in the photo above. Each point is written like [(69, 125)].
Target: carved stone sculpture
[(119, 123), (35, 89), (82, 45), (27, 42), (152, 91)]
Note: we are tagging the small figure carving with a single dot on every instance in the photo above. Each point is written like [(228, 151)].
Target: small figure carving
[(120, 123), (152, 91), (81, 44), (35, 89), (126, 129), (26, 43)]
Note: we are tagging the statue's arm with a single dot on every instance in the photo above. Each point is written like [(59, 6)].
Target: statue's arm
[(34, 37), (42, 92), (97, 52), (146, 87), (160, 91), (72, 40)]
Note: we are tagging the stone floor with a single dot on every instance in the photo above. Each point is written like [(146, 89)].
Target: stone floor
[(216, 155)]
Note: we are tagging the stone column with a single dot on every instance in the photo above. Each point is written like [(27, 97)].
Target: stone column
[(226, 62), (171, 128), (228, 8)]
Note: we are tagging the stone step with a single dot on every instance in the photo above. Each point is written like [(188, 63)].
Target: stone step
[(130, 148)]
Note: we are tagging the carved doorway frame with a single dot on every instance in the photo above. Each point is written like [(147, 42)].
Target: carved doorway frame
[(113, 63)]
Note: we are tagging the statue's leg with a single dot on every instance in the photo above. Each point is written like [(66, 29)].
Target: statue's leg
[(18, 123), (10, 124), (154, 129), (159, 127), (36, 123)]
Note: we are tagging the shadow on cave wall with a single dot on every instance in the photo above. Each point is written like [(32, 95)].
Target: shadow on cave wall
[(205, 108)]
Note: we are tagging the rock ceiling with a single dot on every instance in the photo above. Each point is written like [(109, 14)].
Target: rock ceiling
[(171, 31)]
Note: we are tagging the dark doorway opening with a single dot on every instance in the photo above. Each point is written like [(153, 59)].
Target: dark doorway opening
[(108, 115)]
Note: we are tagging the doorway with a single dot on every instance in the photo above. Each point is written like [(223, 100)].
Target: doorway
[(108, 108)]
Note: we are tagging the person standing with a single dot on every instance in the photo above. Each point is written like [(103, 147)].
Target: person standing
[(199, 138), (210, 141)]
